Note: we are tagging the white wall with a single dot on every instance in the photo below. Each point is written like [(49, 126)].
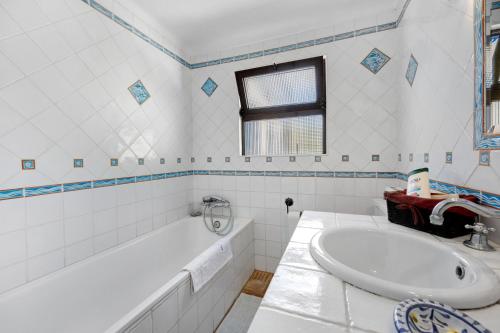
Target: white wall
[(436, 114), (65, 70), (361, 121)]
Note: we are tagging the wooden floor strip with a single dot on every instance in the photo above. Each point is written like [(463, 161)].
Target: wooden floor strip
[(257, 283)]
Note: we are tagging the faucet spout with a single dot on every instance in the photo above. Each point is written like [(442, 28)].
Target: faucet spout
[(436, 217)]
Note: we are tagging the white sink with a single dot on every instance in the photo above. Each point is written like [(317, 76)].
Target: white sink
[(402, 265)]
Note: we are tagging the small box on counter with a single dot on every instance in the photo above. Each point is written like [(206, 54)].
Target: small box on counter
[(413, 212)]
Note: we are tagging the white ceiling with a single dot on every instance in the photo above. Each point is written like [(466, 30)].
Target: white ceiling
[(205, 26)]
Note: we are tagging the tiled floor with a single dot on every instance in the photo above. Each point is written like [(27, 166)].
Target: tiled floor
[(240, 316)]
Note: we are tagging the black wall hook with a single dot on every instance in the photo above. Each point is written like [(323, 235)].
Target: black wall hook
[(288, 203)]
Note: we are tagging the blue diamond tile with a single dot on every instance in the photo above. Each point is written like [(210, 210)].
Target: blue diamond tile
[(139, 92), (411, 71), (375, 60), (209, 87)]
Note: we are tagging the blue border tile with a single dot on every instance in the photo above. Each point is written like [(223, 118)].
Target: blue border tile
[(69, 187), (104, 182), (11, 194), (42, 190), (141, 179), (125, 180)]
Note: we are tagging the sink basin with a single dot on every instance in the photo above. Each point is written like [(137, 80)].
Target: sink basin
[(401, 265)]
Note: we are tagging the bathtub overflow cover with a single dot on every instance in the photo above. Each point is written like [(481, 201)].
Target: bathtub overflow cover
[(216, 224)]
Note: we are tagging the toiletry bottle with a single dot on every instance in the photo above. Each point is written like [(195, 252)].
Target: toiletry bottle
[(418, 183)]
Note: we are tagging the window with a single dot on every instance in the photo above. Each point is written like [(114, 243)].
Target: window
[(283, 108)]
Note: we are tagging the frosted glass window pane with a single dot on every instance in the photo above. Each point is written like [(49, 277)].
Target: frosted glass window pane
[(297, 86), (284, 136)]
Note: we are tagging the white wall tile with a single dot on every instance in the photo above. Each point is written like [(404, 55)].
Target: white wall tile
[(45, 238), (13, 247), (43, 209), (27, 13), (45, 264), (23, 52)]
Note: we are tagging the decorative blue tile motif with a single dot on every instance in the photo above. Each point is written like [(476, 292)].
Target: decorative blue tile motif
[(114, 162), (484, 158), (11, 194), (179, 160), (139, 92), (410, 157), (247, 159), (269, 159), (317, 158), (162, 161), (227, 159), (104, 182), (375, 60), (449, 157), (140, 161), (292, 159), (77, 186), (28, 164), (490, 199), (41, 190), (345, 158), (78, 163), (426, 157), (375, 158), (193, 159), (209, 87), (411, 71)]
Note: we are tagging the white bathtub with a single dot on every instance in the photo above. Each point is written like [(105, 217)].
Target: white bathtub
[(136, 287)]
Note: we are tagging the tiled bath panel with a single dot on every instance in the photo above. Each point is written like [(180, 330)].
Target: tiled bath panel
[(39, 235), (181, 311)]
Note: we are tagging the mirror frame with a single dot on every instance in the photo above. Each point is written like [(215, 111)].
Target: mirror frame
[(482, 141)]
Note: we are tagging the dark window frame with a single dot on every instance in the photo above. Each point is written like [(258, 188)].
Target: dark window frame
[(284, 111)]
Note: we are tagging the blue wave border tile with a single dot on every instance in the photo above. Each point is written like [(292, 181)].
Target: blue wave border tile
[(11, 194), (42, 190), (69, 187)]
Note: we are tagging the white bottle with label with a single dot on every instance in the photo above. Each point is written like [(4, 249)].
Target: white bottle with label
[(418, 183)]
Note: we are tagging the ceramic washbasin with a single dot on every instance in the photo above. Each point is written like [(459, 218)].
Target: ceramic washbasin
[(401, 265)]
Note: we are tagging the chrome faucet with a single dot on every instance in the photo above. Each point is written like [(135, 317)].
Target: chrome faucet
[(479, 237)]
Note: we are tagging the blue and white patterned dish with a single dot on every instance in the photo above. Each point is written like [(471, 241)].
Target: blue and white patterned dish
[(424, 316)]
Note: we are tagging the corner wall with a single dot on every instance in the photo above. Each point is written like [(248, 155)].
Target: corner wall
[(65, 72), (436, 114)]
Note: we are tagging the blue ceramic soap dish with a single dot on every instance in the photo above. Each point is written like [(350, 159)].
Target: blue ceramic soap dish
[(424, 316)]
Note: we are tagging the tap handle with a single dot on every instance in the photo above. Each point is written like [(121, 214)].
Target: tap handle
[(480, 228)]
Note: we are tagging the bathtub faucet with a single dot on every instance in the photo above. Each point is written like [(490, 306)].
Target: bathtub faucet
[(213, 222), (479, 237)]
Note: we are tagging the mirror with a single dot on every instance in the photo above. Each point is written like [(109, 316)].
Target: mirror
[(487, 74)]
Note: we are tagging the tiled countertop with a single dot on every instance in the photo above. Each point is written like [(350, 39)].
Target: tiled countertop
[(303, 297)]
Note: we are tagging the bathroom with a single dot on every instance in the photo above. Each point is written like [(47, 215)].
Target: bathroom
[(233, 167)]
